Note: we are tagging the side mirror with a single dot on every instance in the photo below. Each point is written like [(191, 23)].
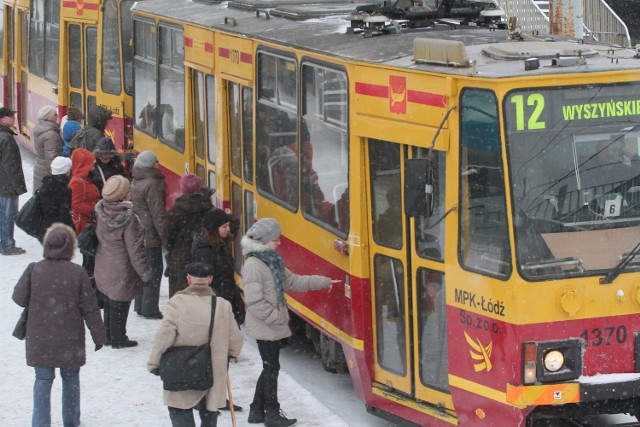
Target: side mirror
[(418, 187)]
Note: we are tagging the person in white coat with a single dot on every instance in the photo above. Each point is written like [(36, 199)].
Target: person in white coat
[(186, 323), (267, 320)]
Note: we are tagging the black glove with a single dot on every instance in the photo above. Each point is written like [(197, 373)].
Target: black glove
[(98, 347), (155, 371)]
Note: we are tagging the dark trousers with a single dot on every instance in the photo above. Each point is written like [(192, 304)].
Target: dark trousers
[(266, 395), (115, 320), (147, 302), (184, 417)]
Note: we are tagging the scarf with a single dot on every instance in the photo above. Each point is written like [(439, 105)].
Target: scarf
[(276, 264)]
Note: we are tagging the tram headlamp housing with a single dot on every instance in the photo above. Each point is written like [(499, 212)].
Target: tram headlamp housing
[(551, 361)]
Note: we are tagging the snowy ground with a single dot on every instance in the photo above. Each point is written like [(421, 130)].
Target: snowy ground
[(117, 390)]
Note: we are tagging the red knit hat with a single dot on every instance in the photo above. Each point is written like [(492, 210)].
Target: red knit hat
[(190, 183)]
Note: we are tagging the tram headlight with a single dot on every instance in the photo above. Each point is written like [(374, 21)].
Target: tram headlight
[(553, 360)]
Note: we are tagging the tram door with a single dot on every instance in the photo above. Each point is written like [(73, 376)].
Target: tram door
[(203, 99), (239, 102), (408, 283), (10, 55), (82, 50)]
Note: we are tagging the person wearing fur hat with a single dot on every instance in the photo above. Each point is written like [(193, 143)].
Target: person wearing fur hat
[(108, 162), (149, 196), (54, 197), (60, 300), (89, 136), (212, 246), (184, 220), (47, 144), (186, 323), (70, 124), (265, 281), (121, 267)]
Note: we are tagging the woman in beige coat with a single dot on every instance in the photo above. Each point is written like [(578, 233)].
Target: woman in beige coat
[(186, 323), (267, 320)]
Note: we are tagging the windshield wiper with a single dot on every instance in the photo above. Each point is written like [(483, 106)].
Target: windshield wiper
[(611, 276)]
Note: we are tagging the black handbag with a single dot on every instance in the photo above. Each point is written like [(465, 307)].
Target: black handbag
[(88, 240), (30, 218), (20, 331), (189, 367)]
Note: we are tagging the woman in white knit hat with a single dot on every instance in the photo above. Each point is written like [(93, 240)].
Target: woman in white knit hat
[(267, 321), (54, 197), (47, 143)]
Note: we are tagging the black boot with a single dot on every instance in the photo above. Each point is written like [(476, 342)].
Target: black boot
[(256, 415), (236, 408), (277, 418)]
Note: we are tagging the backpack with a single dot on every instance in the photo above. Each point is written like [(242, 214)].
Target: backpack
[(79, 140)]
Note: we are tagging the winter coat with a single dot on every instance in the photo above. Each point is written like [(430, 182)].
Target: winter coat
[(11, 176), (149, 196), (224, 282), (47, 145), (183, 222), (186, 323), (94, 130), (61, 300), (54, 199), (268, 320), (121, 266), (84, 193), (69, 129), (114, 167)]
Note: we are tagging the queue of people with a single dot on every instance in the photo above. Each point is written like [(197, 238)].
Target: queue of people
[(132, 226)]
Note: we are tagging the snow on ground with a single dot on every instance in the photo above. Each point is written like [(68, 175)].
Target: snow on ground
[(116, 388)]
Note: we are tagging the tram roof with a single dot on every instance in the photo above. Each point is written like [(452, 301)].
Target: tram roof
[(490, 52)]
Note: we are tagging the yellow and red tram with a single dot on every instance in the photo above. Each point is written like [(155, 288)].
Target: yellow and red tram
[(68, 52), (477, 194)]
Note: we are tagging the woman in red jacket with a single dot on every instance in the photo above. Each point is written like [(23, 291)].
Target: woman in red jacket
[(84, 196)]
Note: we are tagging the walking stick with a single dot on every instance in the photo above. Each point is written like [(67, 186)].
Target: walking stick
[(233, 412)]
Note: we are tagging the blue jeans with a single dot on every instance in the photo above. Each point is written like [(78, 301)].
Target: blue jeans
[(8, 212), (70, 397)]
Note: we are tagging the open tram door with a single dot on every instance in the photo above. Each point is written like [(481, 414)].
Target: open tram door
[(408, 283), (15, 56)]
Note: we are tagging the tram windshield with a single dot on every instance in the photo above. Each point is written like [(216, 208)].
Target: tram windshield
[(575, 177)]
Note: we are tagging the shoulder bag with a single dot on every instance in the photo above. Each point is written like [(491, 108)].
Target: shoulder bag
[(88, 240), (30, 218), (20, 331), (189, 367)]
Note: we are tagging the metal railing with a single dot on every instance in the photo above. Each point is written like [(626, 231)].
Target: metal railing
[(600, 22)]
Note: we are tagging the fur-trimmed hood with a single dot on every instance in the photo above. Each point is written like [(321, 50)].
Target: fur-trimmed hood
[(60, 242), (249, 245), (114, 214)]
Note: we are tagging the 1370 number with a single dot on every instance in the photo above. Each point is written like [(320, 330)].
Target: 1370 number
[(597, 336)]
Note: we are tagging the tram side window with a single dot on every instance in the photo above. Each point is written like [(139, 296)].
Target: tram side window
[(233, 108), (44, 30), (432, 329), (484, 237), (429, 232), (92, 57), (110, 55), (145, 76), (386, 193), (324, 153), (277, 129), (1, 32), (247, 132), (126, 40), (170, 111)]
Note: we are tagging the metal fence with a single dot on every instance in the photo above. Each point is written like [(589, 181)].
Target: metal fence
[(600, 22)]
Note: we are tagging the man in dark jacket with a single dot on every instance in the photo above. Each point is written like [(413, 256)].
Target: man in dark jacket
[(12, 182), (89, 136), (149, 195)]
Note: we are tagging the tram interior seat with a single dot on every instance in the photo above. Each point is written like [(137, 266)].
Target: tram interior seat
[(282, 167)]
